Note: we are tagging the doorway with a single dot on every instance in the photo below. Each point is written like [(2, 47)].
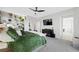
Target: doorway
[(68, 28)]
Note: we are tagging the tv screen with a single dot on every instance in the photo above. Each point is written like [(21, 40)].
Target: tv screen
[(47, 22)]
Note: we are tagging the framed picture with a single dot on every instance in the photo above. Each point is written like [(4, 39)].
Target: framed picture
[(48, 21)]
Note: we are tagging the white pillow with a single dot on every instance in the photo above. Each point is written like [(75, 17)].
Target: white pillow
[(19, 32), (10, 25)]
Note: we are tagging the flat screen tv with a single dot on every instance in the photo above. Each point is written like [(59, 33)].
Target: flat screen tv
[(47, 22)]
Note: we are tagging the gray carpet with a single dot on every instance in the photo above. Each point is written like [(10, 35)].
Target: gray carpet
[(57, 45)]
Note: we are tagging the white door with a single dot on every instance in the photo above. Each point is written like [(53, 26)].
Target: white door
[(68, 28)]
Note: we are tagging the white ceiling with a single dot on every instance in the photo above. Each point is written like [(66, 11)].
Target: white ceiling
[(27, 11)]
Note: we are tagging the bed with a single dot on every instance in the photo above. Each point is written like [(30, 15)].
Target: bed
[(28, 42)]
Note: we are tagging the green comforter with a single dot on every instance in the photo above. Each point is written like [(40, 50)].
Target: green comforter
[(25, 43)]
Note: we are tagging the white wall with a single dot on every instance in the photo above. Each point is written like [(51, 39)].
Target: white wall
[(55, 26), (38, 26), (57, 21), (5, 16), (76, 22), (46, 26), (34, 23), (26, 24)]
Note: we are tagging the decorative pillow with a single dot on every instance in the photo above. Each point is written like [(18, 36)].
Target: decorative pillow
[(19, 32)]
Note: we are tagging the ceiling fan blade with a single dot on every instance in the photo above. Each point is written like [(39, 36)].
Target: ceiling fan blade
[(40, 10), (36, 10), (32, 9)]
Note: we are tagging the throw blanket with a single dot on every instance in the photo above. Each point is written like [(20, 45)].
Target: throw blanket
[(25, 43)]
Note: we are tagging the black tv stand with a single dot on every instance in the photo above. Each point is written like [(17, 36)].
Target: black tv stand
[(49, 32)]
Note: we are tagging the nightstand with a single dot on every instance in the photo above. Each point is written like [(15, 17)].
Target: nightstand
[(3, 46), (76, 42)]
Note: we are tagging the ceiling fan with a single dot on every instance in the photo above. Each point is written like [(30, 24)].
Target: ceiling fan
[(36, 10)]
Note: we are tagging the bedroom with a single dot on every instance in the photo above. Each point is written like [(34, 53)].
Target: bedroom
[(30, 25)]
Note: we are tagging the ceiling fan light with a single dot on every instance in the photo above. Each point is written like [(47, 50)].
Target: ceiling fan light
[(35, 13)]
